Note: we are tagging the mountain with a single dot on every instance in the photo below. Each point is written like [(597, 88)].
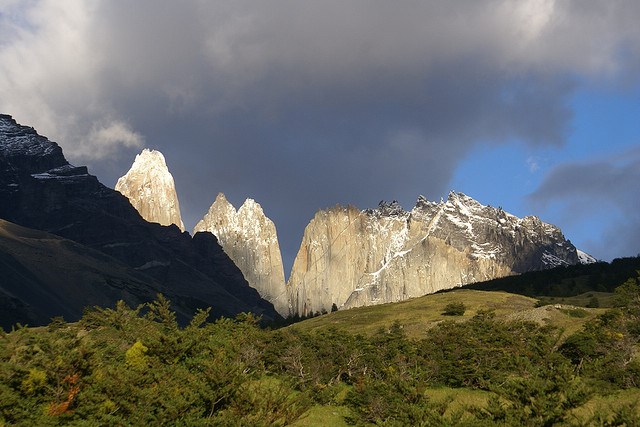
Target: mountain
[(150, 188), (251, 241), (351, 258), (44, 275), (40, 190)]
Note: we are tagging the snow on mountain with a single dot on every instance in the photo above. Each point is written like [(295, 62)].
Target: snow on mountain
[(585, 258), (351, 258)]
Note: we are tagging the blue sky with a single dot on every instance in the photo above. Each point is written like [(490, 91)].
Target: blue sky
[(605, 125), (532, 105)]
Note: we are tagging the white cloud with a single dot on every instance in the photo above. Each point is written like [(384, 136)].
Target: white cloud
[(105, 139), (50, 77), (533, 164)]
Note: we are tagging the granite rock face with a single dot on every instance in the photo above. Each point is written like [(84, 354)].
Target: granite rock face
[(354, 258), (150, 188), (251, 241), (40, 190)]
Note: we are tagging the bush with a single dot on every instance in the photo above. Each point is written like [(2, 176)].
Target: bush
[(454, 309), (593, 303)]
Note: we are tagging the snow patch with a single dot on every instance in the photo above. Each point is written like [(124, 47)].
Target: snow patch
[(551, 260), (585, 258)]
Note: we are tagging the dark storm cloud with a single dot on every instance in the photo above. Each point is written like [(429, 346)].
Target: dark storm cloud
[(581, 190), (302, 105)]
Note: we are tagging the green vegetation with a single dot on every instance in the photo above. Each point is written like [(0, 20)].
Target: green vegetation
[(454, 309), (497, 364), (587, 300), (420, 314)]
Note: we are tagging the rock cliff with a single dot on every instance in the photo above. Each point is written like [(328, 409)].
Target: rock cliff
[(150, 188), (353, 258), (251, 241)]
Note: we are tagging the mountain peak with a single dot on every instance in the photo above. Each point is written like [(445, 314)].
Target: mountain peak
[(149, 158), (251, 208), (220, 208), (150, 188), (387, 254), (251, 241), (385, 208), (221, 199)]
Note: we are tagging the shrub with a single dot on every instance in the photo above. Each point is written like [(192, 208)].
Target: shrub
[(135, 356), (593, 303), (454, 309)]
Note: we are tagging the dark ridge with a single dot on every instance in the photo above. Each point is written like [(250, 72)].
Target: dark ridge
[(566, 281)]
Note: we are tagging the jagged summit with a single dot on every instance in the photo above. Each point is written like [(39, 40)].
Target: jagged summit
[(487, 231), (150, 188), (352, 258), (251, 241), (385, 208)]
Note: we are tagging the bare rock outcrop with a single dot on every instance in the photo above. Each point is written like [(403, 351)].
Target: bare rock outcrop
[(150, 188), (353, 258), (251, 241)]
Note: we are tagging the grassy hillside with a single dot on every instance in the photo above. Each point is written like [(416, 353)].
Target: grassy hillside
[(417, 315)]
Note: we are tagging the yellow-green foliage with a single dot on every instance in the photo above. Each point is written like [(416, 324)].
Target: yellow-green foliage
[(108, 406), (136, 356), (34, 382)]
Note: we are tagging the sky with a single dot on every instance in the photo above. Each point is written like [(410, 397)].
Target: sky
[(532, 105)]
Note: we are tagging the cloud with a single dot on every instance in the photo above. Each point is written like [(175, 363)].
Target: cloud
[(532, 164), (304, 104), (596, 191), (105, 139)]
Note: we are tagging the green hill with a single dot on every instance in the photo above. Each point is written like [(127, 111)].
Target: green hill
[(419, 314)]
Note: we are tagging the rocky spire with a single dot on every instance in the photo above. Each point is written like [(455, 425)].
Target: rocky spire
[(251, 241), (150, 188)]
